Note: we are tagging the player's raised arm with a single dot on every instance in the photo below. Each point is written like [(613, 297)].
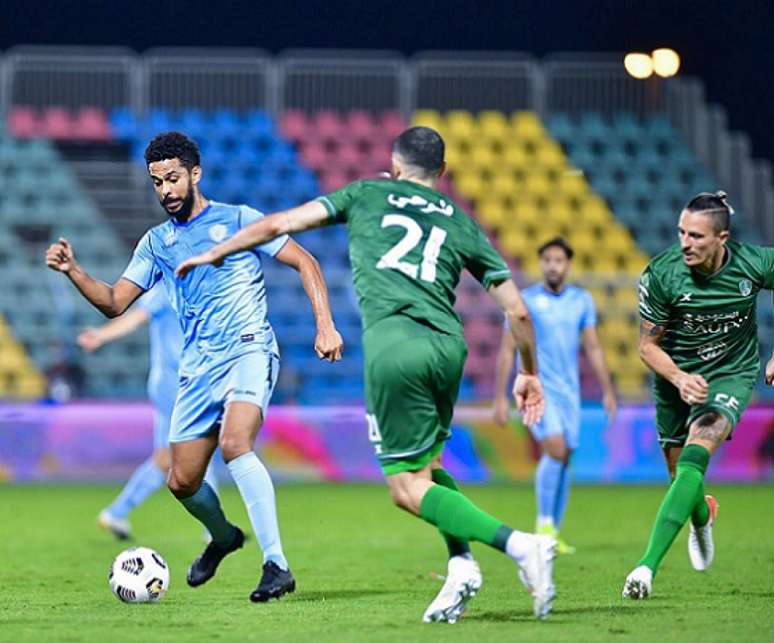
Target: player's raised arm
[(328, 343), (111, 301), (305, 217), (527, 388), (93, 338)]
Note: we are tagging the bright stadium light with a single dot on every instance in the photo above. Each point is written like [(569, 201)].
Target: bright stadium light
[(666, 62), (638, 65)]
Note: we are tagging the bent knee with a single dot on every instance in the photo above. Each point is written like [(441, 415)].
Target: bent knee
[(231, 447), (183, 485)]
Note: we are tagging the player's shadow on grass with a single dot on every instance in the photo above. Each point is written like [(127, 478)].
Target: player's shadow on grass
[(505, 616), (336, 594)]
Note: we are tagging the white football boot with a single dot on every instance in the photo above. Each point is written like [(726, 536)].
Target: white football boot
[(119, 527), (639, 584), (701, 549), (536, 574), (463, 582)]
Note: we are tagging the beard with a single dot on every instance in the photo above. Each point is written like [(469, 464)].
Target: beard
[(186, 206)]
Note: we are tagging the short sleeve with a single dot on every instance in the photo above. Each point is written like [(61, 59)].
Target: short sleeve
[(654, 305), (337, 203), (484, 262), (247, 216), (589, 313), (143, 269), (766, 259), (153, 302)]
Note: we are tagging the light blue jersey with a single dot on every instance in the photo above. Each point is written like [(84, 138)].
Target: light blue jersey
[(559, 319), (166, 344), (229, 349)]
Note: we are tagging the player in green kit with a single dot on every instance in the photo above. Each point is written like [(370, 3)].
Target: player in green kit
[(699, 336), (408, 245)]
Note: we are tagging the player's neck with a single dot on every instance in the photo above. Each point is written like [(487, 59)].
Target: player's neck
[(428, 183), (200, 204), (714, 263), (555, 289)]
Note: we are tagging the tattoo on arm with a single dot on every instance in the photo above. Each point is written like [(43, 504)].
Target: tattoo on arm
[(650, 329)]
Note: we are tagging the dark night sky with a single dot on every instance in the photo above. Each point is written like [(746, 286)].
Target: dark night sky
[(728, 44)]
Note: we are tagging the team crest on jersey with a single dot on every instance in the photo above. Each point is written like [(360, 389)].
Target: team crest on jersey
[(218, 232), (170, 238), (745, 287)]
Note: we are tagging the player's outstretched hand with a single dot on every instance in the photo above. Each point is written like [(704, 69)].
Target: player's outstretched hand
[(502, 410), (60, 256), (529, 398), (610, 405), (328, 344), (89, 340), (769, 375), (203, 259), (693, 388)]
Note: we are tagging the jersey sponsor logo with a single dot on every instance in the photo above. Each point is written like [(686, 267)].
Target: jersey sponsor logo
[(425, 206), (714, 323), (712, 350), (170, 238), (218, 232), (745, 287), (374, 436), (247, 337)]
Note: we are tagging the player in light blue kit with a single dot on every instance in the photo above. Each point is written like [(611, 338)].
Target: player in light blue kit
[(166, 344), (564, 318), (229, 363)]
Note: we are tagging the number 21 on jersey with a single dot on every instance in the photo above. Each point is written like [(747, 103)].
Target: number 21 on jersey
[(393, 258)]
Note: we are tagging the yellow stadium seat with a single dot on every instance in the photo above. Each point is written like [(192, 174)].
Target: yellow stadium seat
[(559, 211), (482, 156), (514, 156), (428, 118), (537, 183), (526, 212), (625, 298), (572, 182), (515, 242), (503, 183), (527, 125), (630, 385), (470, 184), (549, 154), (460, 123), (493, 212), (493, 125)]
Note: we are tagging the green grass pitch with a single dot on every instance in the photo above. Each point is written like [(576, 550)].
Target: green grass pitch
[(365, 571)]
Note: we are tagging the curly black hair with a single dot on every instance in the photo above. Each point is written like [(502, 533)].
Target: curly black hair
[(173, 145), (556, 242)]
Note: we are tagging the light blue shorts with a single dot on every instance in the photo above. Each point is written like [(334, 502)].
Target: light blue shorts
[(561, 417), (201, 400), (162, 391)]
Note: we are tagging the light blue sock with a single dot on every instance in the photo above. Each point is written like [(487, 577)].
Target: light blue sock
[(146, 479), (211, 478), (562, 495), (204, 505), (254, 484), (547, 478)]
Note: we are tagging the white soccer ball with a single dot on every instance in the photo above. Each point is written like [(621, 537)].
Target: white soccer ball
[(139, 575)]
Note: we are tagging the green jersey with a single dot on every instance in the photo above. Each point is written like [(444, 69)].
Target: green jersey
[(408, 245), (710, 320)]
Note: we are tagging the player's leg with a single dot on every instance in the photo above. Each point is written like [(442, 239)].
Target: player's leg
[(253, 378), (144, 481), (709, 425), (456, 515)]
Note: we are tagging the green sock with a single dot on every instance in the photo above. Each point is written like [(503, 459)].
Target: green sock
[(700, 515), (679, 503), (455, 546), (458, 517)]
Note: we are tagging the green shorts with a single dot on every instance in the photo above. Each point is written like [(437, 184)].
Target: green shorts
[(728, 395), (412, 378)]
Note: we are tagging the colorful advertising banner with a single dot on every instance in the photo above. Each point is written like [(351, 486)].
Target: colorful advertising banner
[(105, 441)]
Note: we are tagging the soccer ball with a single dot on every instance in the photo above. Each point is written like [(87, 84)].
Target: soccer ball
[(139, 575)]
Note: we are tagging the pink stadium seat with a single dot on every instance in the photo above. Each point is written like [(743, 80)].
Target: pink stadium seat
[(361, 125), (333, 180), (23, 122), (91, 124), (57, 123), (295, 125), (391, 124), (329, 125), (315, 156)]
